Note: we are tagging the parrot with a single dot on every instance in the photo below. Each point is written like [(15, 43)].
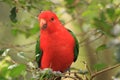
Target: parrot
[(57, 47)]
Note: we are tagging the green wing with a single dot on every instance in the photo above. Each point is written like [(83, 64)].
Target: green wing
[(38, 53), (76, 48)]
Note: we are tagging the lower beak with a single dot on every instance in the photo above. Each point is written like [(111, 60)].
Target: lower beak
[(43, 24)]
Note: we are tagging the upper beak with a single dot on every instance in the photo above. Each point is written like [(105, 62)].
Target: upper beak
[(43, 24)]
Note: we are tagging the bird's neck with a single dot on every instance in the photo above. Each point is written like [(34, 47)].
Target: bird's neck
[(52, 30)]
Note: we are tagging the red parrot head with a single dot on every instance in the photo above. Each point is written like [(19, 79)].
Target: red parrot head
[(48, 20)]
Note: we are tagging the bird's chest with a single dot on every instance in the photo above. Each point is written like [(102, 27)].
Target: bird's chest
[(57, 51), (56, 43)]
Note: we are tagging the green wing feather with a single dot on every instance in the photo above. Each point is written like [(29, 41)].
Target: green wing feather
[(38, 53), (76, 48)]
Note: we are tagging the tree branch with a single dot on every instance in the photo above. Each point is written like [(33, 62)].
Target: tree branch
[(104, 70)]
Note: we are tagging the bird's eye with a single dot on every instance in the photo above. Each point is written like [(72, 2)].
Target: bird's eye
[(52, 19)]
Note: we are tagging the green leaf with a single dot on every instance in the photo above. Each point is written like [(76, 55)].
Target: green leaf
[(13, 15), (69, 2), (35, 29), (22, 1), (14, 32), (101, 47), (70, 6), (1, 51), (4, 70), (46, 74), (99, 66), (2, 78), (103, 24), (102, 16), (5, 52), (110, 12), (17, 71), (117, 12)]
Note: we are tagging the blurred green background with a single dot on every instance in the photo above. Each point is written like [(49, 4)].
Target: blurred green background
[(96, 24)]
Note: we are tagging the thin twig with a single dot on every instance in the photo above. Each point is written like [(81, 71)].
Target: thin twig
[(87, 67), (13, 46), (104, 70), (18, 48), (65, 76), (91, 40), (25, 45), (79, 78)]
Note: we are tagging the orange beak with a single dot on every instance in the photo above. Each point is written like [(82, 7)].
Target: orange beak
[(43, 24)]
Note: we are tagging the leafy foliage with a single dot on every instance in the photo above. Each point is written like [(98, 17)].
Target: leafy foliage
[(99, 66), (17, 70), (90, 18), (1, 51), (101, 48), (13, 15)]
